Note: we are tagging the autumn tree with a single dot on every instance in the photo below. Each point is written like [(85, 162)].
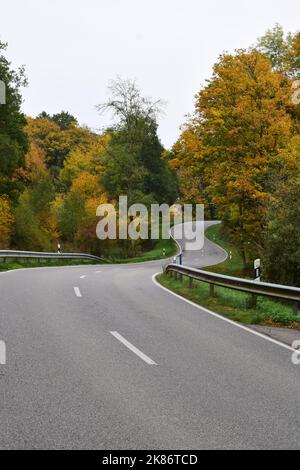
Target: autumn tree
[(56, 141), (241, 122), (6, 222), (281, 249), (187, 159), (245, 123)]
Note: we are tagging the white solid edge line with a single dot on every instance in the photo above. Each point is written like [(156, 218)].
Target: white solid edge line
[(77, 292), (132, 348), (44, 268), (231, 322)]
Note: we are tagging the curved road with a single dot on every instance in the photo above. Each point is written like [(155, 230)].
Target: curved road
[(103, 358)]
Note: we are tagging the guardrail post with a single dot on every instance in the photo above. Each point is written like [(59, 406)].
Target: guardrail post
[(296, 307), (211, 290), (190, 282), (252, 302), (180, 277)]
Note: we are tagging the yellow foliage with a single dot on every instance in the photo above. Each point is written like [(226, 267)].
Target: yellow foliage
[(92, 204), (86, 185), (87, 159), (6, 221)]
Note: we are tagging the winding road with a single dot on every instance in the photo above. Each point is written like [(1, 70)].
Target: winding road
[(104, 358)]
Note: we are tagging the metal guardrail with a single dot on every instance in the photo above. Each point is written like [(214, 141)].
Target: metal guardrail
[(8, 254), (244, 285)]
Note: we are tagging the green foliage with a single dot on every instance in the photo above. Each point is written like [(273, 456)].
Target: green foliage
[(29, 234), (70, 216), (13, 140), (64, 120), (282, 50), (133, 161), (275, 45)]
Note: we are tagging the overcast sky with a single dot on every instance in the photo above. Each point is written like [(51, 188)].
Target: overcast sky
[(72, 48)]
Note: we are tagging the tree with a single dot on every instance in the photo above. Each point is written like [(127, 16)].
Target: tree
[(43, 115), (13, 140), (134, 154), (57, 143), (275, 45), (86, 157), (295, 55), (281, 253), (36, 227), (187, 159), (64, 120), (283, 50), (245, 123), (240, 124), (123, 174)]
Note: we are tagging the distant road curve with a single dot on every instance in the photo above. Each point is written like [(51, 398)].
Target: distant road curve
[(210, 255)]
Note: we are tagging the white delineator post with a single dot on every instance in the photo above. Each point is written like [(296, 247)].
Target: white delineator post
[(2, 353), (257, 269)]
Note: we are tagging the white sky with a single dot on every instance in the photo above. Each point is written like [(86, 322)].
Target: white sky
[(72, 48)]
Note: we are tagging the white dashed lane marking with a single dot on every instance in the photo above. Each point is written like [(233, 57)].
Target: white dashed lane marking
[(77, 292)]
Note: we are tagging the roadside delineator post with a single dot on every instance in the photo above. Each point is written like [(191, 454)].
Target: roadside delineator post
[(257, 274), (2, 353)]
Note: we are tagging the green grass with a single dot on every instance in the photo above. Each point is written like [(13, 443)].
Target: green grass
[(230, 267), (233, 304), (156, 253), (21, 264)]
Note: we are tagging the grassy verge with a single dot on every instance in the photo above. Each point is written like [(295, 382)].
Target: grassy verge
[(21, 264), (230, 267), (155, 254), (152, 255), (233, 304)]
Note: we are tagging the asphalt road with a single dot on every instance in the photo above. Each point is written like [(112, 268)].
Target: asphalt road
[(112, 361)]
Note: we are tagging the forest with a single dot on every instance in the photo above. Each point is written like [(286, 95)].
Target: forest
[(238, 153)]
